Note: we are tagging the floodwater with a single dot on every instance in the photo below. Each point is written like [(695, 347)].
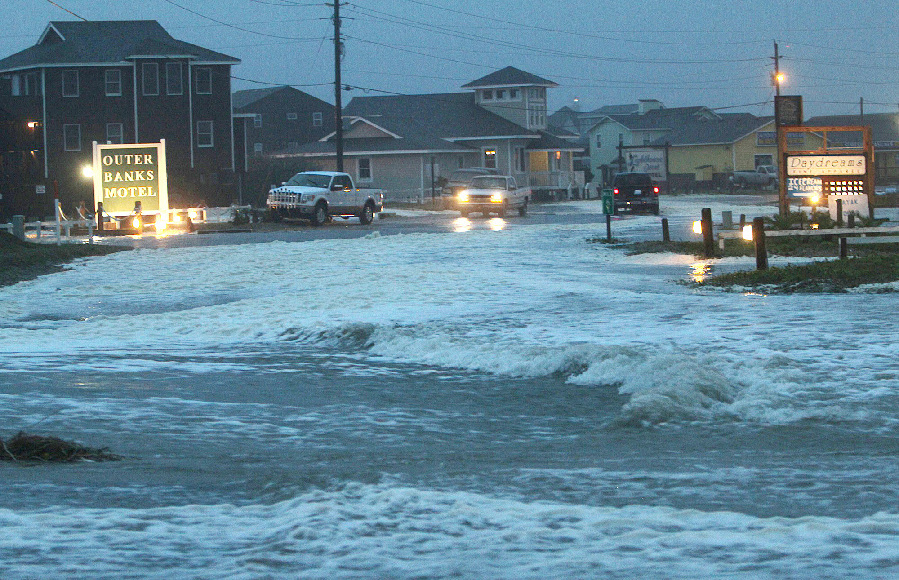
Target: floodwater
[(487, 402)]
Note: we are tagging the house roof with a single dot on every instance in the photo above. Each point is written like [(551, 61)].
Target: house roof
[(884, 126), (723, 128), (681, 126), (451, 116), (250, 96), (509, 77), (107, 41), (443, 122)]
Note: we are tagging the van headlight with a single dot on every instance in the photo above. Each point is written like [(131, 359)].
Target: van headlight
[(463, 196)]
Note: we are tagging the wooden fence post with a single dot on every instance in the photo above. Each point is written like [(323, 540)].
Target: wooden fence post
[(708, 241), (758, 236)]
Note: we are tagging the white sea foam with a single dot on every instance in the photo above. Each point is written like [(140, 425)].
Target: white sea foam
[(399, 532), (528, 301)]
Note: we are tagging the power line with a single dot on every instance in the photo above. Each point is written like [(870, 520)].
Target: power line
[(384, 16), (67, 10), (579, 33), (234, 26)]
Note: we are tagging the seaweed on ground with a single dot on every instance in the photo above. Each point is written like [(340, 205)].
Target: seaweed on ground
[(25, 447)]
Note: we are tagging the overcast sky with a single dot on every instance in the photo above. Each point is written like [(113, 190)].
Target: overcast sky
[(684, 53)]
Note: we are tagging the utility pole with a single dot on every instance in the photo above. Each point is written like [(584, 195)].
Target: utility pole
[(338, 87), (783, 203)]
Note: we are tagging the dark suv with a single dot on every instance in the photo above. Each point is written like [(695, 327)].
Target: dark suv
[(635, 192)]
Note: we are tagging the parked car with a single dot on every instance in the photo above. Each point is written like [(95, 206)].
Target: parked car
[(635, 192), (497, 194), (461, 178), (764, 176), (318, 195)]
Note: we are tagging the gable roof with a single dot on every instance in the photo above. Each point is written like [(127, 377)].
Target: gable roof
[(442, 122), (509, 77), (67, 43), (249, 96), (450, 116), (682, 126), (884, 126), (723, 128)]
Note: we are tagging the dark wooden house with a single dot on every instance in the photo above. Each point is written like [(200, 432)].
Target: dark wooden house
[(117, 82)]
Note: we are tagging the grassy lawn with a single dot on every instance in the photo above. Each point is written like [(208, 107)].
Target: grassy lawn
[(26, 260), (867, 264)]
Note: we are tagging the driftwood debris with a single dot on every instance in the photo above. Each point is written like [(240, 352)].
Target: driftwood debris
[(25, 447)]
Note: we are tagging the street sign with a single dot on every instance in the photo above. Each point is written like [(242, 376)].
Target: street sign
[(608, 202), (811, 187)]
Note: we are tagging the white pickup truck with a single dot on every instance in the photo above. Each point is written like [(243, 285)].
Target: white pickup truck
[(764, 175), (497, 194), (319, 195)]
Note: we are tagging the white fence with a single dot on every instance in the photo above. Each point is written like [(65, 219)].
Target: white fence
[(56, 229)]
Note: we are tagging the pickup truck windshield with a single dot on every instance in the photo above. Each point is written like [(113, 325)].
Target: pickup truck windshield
[(310, 180), (488, 183)]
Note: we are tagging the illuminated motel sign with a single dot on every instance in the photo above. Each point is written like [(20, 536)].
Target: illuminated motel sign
[(127, 173)]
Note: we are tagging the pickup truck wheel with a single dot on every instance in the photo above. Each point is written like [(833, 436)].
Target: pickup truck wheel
[(368, 214), (320, 215), (523, 210), (464, 212)]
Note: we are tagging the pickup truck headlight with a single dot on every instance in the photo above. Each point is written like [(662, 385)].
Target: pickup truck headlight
[(307, 197), (463, 196), (496, 197)]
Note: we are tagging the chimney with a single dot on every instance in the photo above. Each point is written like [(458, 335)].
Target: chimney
[(647, 105)]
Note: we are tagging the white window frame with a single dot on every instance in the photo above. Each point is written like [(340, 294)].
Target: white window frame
[(68, 73), (204, 129), (108, 82), (257, 149), (318, 119), (203, 75), (16, 85), (359, 177), (121, 133), (257, 120), (145, 74), (292, 116), (169, 67), (66, 128)]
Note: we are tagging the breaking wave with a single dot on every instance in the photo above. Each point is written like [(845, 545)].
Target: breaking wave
[(379, 531)]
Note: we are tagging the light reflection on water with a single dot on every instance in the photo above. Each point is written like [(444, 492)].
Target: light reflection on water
[(699, 271)]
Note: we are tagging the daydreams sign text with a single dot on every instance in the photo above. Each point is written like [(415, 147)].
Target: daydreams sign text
[(126, 174), (826, 165)]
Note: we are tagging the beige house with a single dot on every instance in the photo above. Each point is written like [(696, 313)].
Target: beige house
[(408, 144), (701, 147)]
